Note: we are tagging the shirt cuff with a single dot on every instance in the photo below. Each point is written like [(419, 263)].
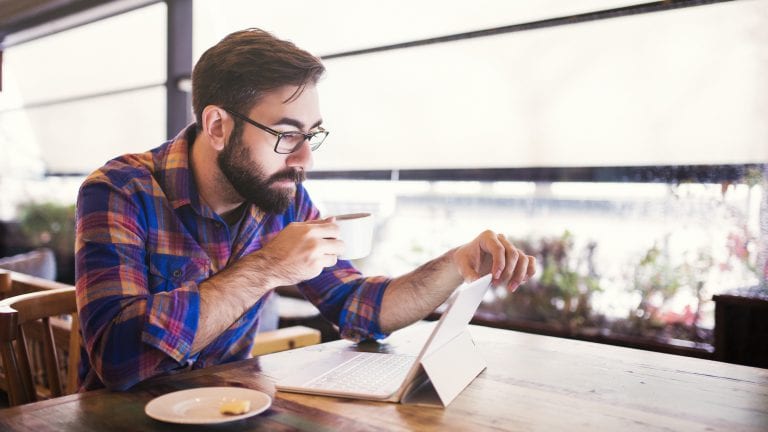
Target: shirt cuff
[(359, 320), (172, 319)]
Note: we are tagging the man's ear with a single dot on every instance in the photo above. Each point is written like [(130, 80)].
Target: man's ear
[(216, 125)]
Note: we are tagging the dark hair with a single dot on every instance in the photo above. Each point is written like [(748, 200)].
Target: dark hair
[(238, 70)]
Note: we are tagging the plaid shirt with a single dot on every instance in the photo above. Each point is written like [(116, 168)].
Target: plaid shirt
[(145, 242)]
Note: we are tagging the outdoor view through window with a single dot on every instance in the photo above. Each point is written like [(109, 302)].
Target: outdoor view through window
[(625, 152)]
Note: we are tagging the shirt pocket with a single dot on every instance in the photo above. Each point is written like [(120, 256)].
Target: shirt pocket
[(168, 272)]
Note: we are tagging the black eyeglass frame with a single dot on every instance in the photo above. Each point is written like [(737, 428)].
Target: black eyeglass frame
[(307, 136)]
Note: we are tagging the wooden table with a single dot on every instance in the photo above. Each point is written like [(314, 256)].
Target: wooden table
[(532, 382)]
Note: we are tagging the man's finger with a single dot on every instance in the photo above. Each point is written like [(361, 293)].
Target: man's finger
[(327, 230), (531, 268), (329, 260), (511, 256), (492, 245), (332, 246), (521, 269), (329, 219)]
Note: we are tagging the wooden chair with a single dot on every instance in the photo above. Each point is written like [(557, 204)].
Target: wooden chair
[(26, 300), (14, 283), (284, 339), (289, 336), (19, 315)]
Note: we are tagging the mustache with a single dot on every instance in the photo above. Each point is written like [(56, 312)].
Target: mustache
[(295, 175)]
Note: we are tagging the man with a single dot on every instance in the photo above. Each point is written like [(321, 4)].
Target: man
[(177, 248)]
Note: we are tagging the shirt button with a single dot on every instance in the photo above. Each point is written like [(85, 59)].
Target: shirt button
[(177, 273)]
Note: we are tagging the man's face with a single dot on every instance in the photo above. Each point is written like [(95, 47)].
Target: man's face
[(248, 161)]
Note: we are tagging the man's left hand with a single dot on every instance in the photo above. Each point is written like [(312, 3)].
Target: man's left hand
[(493, 253)]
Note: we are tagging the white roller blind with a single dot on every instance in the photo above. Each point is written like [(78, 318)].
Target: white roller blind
[(48, 111), (78, 137), (328, 27), (124, 51), (685, 86)]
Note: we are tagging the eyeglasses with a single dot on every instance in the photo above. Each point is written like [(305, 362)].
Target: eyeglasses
[(287, 142)]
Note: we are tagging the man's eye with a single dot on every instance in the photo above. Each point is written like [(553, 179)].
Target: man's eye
[(293, 137)]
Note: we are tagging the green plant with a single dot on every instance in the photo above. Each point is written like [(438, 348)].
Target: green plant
[(563, 292), (48, 224), (51, 225), (657, 280)]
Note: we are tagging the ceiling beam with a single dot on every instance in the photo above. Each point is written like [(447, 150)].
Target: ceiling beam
[(25, 20)]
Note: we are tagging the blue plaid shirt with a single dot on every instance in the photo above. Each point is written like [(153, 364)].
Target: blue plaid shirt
[(145, 242)]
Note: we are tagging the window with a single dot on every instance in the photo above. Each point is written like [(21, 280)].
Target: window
[(78, 98), (678, 87)]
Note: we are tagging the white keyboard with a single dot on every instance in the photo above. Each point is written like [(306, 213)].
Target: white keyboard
[(366, 373)]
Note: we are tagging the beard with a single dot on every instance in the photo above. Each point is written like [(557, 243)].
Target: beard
[(249, 180)]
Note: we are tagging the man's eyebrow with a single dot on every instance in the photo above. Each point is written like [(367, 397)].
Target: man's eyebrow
[(297, 124)]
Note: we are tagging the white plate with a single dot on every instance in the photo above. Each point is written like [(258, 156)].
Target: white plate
[(201, 405)]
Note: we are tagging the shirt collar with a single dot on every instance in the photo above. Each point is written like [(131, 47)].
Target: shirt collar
[(178, 181), (175, 174)]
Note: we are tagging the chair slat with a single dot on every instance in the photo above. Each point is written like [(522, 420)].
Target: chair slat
[(5, 283), (14, 386), (51, 359), (73, 360), (25, 370)]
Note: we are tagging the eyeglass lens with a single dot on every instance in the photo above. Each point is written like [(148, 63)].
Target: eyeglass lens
[(290, 142)]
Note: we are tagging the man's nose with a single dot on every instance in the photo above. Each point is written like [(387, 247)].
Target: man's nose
[(301, 157)]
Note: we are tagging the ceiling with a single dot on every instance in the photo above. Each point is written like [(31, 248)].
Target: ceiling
[(17, 15), (21, 15)]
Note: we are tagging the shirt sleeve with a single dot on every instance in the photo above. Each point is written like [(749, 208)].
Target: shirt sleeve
[(341, 293), (347, 298), (130, 334)]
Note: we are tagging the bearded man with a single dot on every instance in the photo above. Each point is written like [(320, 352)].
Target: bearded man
[(178, 248)]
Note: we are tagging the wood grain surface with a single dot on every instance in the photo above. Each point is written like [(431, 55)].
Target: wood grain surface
[(532, 383)]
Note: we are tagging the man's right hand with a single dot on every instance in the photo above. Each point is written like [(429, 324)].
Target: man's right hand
[(302, 250)]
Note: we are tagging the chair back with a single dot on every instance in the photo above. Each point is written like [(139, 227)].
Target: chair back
[(34, 312)]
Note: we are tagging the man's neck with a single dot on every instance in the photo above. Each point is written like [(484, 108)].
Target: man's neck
[(231, 217), (218, 194)]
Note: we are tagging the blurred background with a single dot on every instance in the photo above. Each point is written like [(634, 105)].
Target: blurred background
[(623, 143)]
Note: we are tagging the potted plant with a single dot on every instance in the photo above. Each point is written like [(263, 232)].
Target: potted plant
[(52, 225), (561, 296)]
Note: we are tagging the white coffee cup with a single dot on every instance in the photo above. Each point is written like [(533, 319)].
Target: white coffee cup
[(356, 230)]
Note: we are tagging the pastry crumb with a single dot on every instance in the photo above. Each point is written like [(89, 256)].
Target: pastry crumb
[(235, 407)]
